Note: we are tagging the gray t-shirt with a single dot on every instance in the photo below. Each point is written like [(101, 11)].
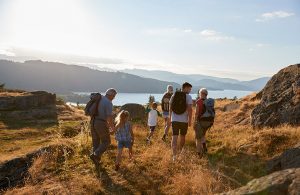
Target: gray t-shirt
[(105, 108), (184, 118)]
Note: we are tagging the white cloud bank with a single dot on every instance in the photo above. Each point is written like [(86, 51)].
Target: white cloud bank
[(213, 35), (273, 15)]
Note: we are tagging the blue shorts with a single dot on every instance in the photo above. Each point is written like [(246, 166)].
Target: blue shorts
[(124, 144), (166, 114)]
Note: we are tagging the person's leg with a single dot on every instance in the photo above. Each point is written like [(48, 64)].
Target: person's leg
[(130, 152), (175, 133), (199, 147), (167, 127), (183, 132), (198, 135), (174, 145), (119, 158), (151, 129), (203, 143), (95, 138), (105, 141)]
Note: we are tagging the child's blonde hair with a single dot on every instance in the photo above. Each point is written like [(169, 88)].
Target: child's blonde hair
[(122, 117)]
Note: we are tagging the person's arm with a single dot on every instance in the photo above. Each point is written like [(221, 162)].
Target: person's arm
[(190, 109), (109, 118), (111, 124), (158, 113), (196, 113), (170, 110), (148, 109), (190, 113)]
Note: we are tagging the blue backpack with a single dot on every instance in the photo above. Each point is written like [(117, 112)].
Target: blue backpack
[(209, 110)]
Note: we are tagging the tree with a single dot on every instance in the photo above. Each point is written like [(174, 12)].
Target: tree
[(2, 86)]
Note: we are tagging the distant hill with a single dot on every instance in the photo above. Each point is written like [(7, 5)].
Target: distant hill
[(202, 80), (62, 78)]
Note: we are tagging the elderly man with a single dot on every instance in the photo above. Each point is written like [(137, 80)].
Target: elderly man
[(101, 125)]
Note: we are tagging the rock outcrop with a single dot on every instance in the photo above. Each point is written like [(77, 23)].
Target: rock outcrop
[(288, 159), (28, 106), (13, 172), (137, 111), (280, 100), (286, 182)]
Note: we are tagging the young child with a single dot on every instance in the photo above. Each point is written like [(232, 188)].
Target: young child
[(152, 120), (124, 136)]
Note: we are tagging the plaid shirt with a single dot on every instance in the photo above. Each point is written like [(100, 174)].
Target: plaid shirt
[(123, 133)]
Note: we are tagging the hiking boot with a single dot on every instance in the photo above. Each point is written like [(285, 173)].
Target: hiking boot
[(174, 158), (200, 154), (95, 159), (148, 140), (117, 167)]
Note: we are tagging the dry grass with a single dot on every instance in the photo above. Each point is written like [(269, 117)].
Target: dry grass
[(237, 154)]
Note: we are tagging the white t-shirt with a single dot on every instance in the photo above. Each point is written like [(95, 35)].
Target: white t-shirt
[(184, 118), (152, 118)]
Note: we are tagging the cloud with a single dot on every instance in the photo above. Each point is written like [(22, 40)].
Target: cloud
[(167, 31), (6, 52), (213, 35), (273, 15), (206, 34)]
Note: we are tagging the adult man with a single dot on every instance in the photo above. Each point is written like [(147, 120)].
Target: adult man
[(181, 116), (204, 119), (165, 106), (101, 125)]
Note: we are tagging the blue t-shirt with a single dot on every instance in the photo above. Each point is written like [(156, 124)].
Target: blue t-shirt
[(105, 108)]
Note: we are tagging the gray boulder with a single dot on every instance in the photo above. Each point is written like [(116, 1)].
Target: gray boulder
[(286, 182), (288, 159), (137, 111), (279, 100)]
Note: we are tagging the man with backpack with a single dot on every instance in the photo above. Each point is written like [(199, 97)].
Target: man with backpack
[(181, 116), (100, 109), (165, 106), (204, 119)]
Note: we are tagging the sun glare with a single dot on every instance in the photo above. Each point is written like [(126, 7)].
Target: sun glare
[(51, 26)]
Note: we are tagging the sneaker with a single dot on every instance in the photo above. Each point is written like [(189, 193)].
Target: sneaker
[(174, 158), (95, 159), (148, 140)]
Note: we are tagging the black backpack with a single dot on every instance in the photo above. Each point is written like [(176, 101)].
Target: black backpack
[(165, 102), (91, 108), (178, 103)]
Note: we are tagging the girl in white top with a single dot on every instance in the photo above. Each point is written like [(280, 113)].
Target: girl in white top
[(152, 120)]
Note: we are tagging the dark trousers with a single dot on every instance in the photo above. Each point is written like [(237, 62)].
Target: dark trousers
[(100, 137)]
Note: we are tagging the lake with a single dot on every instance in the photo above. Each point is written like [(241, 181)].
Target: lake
[(142, 98)]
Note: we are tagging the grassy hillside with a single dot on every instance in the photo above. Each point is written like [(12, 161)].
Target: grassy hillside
[(236, 155)]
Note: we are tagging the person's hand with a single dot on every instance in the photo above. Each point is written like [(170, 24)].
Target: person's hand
[(112, 131)]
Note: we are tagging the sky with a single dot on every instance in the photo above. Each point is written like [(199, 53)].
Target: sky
[(241, 39)]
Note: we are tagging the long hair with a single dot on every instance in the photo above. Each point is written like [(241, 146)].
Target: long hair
[(121, 118)]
